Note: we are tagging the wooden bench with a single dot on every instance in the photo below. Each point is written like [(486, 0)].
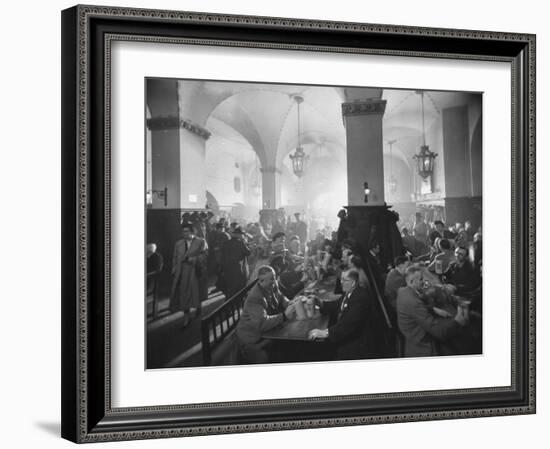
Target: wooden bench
[(218, 336)]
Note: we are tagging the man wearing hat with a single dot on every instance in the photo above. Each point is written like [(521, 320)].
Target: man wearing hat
[(234, 263), (187, 262), (218, 237)]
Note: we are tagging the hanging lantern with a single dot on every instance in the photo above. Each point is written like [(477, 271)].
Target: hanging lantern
[(425, 161), (299, 158), (392, 184), (425, 158)]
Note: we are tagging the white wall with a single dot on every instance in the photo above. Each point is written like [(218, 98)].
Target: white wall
[(30, 336)]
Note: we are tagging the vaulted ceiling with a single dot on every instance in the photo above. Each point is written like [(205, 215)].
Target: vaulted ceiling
[(266, 116)]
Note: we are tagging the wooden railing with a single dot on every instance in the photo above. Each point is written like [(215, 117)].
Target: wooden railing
[(217, 325)]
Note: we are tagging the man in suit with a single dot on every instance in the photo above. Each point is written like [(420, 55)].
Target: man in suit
[(187, 262), (234, 263), (217, 239), (264, 309), (461, 273), (352, 331), (421, 328)]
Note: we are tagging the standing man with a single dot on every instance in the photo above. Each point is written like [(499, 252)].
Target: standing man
[(235, 263), (420, 228), (421, 329), (264, 309), (218, 238), (187, 262), (352, 331)]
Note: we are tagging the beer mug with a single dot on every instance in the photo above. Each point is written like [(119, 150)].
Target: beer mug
[(439, 267), (301, 313), (310, 307)]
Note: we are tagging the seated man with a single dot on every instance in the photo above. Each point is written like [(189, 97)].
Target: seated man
[(421, 329), (396, 279), (441, 261), (352, 332), (278, 244), (294, 249), (264, 308), (291, 277), (461, 273), (440, 232)]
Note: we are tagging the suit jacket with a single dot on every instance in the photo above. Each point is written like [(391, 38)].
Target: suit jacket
[(463, 277), (263, 310), (234, 265), (353, 332), (421, 329)]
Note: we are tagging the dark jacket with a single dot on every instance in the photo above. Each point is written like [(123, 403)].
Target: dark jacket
[(352, 333), (234, 264), (463, 277)]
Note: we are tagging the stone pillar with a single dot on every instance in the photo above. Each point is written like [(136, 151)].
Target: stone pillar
[(162, 101), (193, 165), (363, 122), (371, 222), (462, 200), (178, 162), (271, 187), (456, 152)]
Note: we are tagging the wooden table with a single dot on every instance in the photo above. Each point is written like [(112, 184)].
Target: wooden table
[(297, 330), (289, 342)]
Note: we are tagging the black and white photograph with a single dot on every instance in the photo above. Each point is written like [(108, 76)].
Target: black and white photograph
[(232, 224), (310, 223)]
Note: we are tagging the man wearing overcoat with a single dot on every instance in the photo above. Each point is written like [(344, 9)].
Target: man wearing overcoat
[(187, 262)]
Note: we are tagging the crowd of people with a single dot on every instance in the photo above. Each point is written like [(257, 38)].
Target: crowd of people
[(227, 253), (440, 268)]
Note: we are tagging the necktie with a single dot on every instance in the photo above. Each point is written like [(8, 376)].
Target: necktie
[(273, 301), (342, 306)]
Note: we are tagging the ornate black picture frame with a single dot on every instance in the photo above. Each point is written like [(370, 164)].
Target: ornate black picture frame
[(87, 34)]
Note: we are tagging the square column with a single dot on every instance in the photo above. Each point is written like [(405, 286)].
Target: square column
[(192, 165), (363, 122), (271, 187)]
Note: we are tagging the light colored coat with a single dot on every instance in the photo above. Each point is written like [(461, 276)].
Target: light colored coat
[(185, 283), (262, 311), (420, 328)]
